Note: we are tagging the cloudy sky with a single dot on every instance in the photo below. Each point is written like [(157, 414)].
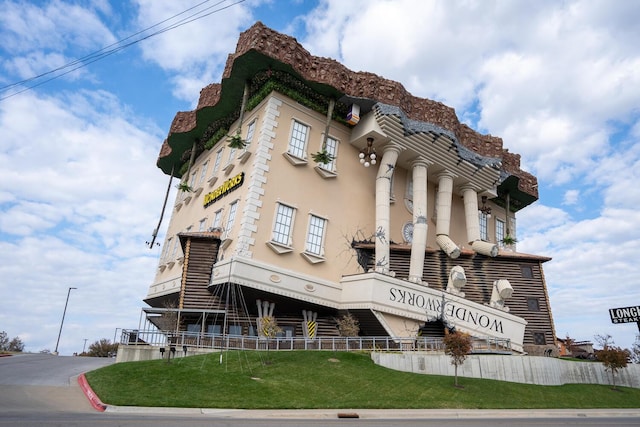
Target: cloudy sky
[(89, 89)]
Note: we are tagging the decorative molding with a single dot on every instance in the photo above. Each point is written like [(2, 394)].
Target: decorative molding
[(294, 160), (279, 248), (324, 173), (312, 258)]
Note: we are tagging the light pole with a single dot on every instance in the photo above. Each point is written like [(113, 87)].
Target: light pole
[(62, 322), (85, 345)]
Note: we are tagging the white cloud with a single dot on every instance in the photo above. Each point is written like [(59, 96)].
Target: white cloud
[(571, 197), (83, 195)]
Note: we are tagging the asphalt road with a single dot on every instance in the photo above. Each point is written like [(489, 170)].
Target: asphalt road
[(42, 391)]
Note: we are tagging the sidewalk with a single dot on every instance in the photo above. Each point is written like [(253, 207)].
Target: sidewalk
[(381, 413)]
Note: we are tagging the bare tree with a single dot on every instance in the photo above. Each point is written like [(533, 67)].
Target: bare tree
[(457, 345)]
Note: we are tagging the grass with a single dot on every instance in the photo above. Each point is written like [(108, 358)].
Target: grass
[(324, 380)]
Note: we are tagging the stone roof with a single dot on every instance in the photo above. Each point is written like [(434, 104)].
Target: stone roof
[(421, 112)]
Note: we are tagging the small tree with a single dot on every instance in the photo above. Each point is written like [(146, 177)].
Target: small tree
[(569, 343), (348, 326), (614, 359), (14, 345), (457, 345), (270, 329), (102, 348)]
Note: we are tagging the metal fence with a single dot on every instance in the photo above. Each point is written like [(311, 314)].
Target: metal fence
[(182, 341)]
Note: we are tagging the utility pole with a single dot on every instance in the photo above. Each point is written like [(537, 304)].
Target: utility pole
[(62, 322)]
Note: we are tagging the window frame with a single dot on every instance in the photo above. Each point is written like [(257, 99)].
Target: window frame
[(332, 165), (501, 228), (483, 226), (296, 155), (276, 234), (231, 217)]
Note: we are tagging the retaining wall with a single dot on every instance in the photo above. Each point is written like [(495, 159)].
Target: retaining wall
[(519, 369)]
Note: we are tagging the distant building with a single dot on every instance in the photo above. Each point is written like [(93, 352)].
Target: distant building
[(408, 222)]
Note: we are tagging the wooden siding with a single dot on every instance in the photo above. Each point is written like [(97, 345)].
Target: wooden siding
[(481, 271)]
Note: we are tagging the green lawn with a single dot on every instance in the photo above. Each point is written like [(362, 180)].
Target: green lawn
[(316, 380)]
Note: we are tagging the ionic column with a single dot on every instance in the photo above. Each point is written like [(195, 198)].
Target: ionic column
[(419, 244), (443, 218), (473, 223), (383, 206)]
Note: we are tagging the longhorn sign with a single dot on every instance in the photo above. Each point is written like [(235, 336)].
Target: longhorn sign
[(309, 325)]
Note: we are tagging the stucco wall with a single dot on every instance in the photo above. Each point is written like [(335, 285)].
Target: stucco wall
[(519, 369)]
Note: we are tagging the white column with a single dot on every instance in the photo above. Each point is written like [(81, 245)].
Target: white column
[(470, 198), (383, 207), (420, 226), (473, 223), (443, 219)]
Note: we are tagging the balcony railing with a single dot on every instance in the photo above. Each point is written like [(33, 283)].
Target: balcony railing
[(185, 340)]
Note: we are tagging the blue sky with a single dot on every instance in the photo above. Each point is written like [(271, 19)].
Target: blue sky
[(80, 193)]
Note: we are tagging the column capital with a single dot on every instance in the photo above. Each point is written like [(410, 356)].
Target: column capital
[(392, 146), (421, 161), (446, 174), (468, 186)]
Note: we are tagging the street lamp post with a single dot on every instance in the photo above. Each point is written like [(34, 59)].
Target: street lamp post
[(62, 322)]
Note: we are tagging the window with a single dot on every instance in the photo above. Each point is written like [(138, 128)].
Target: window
[(527, 271), (533, 304), (283, 225), (500, 231), (216, 164), (250, 131), (203, 173), (217, 219), (483, 226), (202, 225), (192, 183), (298, 140), (332, 149), (193, 327), (315, 236), (231, 219), (538, 338), (232, 155), (235, 329), (174, 252), (166, 249), (214, 329)]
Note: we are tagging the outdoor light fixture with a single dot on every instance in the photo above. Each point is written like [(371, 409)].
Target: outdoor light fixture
[(486, 210), (368, 154)]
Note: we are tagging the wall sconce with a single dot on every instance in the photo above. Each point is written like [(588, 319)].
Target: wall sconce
[(486, 210), (368, 154)]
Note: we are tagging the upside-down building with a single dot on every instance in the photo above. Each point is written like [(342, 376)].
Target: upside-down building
[(316, 191)]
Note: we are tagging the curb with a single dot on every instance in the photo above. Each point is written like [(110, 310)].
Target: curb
[(93, 398)]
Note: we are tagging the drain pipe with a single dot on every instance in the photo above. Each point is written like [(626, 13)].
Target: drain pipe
[(443, 216)]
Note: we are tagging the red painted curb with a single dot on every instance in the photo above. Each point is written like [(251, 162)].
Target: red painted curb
[(94, 400)]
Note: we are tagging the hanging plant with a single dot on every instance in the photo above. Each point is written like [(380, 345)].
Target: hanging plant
[(509, 240), (183, 186), (322, 157), (236, 141)]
